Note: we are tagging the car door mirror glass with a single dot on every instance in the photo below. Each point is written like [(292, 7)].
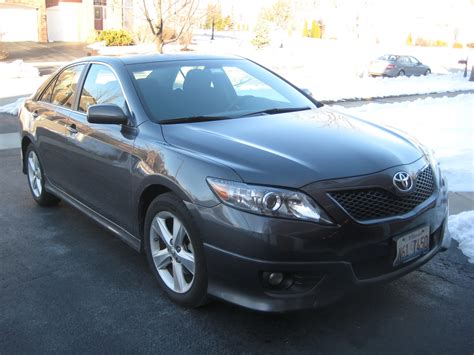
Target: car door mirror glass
[(106, 114)]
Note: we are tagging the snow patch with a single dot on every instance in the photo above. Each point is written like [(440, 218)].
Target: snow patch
[(461, 227), (444, 124), (18, 69), (13, 107)]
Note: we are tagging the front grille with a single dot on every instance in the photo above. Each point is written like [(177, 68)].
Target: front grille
[(376, 203)]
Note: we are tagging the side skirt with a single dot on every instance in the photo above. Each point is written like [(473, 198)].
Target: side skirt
[(125, 236)]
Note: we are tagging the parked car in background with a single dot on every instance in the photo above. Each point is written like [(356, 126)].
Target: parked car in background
[(397, 65), (234, 183)]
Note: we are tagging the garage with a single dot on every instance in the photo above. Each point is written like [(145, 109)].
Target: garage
[(18, 23)]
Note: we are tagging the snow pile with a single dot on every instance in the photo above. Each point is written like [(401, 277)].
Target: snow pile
[(18, 69), (445, 125), (13, 107), (461, 227), (325, 89)]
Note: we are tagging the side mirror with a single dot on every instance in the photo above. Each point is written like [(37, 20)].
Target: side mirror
[(106, 114), (307, 91)]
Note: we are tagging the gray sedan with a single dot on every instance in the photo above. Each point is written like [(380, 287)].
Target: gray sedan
[(397, 65), (235, 183)]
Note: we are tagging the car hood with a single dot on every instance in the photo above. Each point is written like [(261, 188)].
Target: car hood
[(295, 149)]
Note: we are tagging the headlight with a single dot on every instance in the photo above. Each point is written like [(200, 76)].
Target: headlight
[(430, 156), (268, 201), (439, 175)]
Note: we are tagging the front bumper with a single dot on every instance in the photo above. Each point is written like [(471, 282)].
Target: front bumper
[(323, 262)]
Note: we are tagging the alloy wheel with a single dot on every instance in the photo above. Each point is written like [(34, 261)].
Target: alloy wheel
[(35, 176), (172, 252)]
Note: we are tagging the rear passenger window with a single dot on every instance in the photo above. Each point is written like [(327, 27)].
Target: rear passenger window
[(101, 87), (46, 96), (66, 86)]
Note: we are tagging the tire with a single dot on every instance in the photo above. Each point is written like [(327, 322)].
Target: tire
[(170, 260), (35, 176), (401, 73), (427, 72)]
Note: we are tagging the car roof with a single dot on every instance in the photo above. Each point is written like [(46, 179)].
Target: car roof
[(154, 57)]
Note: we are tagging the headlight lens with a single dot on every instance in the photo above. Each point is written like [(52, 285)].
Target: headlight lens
[(268, 201)]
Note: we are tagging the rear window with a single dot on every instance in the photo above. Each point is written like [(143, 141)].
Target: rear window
[(66, 86), (388, 57)]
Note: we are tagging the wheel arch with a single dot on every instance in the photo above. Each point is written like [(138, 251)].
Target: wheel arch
[(151, 188), (25, 142)]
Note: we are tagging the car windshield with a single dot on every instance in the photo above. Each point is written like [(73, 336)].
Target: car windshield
[(188, 90)]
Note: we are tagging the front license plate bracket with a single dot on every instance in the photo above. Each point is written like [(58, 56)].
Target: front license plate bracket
[(412, 245)]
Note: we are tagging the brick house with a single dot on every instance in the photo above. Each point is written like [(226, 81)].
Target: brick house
[(58, 20)]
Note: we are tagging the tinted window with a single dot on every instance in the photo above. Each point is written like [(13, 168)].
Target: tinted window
[(229, 88), (101, 87), (403, 60), (66, 85), (46, 96), (388, 57)]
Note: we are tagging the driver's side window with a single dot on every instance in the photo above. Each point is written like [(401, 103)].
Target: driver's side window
[(101, 87)]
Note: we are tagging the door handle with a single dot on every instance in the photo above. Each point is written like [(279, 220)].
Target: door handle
[(72, 129), (35, 114)]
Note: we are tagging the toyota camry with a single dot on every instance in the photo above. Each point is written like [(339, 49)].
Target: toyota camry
[(236, 184)]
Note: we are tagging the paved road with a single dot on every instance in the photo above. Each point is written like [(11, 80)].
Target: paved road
[(68, 285)]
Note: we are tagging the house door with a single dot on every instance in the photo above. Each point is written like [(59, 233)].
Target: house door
[(98, 18)]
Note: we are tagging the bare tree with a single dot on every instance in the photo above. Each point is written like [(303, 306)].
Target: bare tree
[(169, 20)]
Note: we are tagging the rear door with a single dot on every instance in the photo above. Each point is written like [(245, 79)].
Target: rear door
[(100, 154), (51, 114)]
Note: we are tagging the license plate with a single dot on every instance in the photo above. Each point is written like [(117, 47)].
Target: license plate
[(412, 245)]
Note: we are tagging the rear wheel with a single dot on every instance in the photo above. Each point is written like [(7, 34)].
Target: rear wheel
[(175, 252), (36, 179), (401, 73)]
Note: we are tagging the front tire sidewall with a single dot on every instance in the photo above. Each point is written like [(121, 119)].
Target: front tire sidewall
[(197, 294)]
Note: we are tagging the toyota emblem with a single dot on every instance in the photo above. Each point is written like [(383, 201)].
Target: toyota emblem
[(403, 181)]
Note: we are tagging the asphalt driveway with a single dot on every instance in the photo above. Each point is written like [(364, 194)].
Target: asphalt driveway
[(67, 285)]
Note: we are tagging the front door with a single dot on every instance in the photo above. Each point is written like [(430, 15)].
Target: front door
[(98, 18), (100, 154)]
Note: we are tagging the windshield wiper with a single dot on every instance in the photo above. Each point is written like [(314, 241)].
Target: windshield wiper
[(194, 119), (274, 111)]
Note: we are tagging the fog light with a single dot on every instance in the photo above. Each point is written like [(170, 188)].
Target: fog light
[(275, 278)]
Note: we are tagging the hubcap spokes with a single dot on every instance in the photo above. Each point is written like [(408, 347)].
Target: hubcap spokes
[(172, 252), (34, 174)]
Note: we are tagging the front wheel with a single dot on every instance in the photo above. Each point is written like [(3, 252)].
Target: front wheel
[(427, 72), (175, 251), (36, 179)]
